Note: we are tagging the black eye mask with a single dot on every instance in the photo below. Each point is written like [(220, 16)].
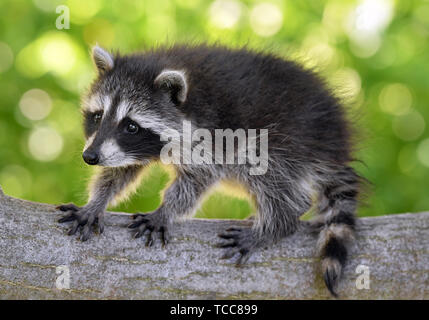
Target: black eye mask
[(140, 142)]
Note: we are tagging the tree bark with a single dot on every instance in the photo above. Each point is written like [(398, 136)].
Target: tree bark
[(394, 249)]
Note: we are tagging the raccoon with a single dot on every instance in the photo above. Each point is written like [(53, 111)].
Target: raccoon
[(136, 97)]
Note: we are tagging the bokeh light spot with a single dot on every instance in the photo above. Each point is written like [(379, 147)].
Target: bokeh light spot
[(372, 15), (45, 143), (423, 152), (58, 54), (395, 99), (365, 25), (35, 104), (367, 47), (54, 52), (266, 19), (225, 13), (410, 126)]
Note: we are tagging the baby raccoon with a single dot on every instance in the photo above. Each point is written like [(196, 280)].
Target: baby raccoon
[(135, 98)]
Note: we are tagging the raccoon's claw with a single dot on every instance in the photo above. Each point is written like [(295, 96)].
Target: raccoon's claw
[(72, 209), (240, 241), (81, 219), (68, 207), (68, 218), (147, 224)]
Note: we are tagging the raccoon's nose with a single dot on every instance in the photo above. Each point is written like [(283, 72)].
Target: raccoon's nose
[(90, 157)]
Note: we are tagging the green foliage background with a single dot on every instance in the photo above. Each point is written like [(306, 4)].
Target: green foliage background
[(374, 55)]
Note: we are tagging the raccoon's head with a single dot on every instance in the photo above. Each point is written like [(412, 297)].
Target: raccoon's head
[(133, 100)]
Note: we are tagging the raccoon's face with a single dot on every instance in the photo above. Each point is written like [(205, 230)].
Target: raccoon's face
[(127, 110)]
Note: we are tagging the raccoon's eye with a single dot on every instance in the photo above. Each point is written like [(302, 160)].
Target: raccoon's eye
[(132, 128), (97, 117)]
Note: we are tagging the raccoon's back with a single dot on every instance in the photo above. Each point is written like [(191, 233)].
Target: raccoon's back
[(245, 89)]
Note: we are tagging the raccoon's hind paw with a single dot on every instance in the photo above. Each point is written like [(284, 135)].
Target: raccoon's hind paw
[(147, 224), (83, 219), (241, 241)]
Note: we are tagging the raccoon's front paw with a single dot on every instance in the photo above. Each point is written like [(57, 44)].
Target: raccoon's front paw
[(241, 241), (83, 218), (147, 224)]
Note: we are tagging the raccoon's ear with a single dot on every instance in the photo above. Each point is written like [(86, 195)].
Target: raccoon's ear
[(175, 82), (103, 60)]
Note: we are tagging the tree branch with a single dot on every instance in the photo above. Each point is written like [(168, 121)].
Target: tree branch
[(395, 248)]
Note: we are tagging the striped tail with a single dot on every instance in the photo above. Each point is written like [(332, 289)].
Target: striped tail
[(336, 224)]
